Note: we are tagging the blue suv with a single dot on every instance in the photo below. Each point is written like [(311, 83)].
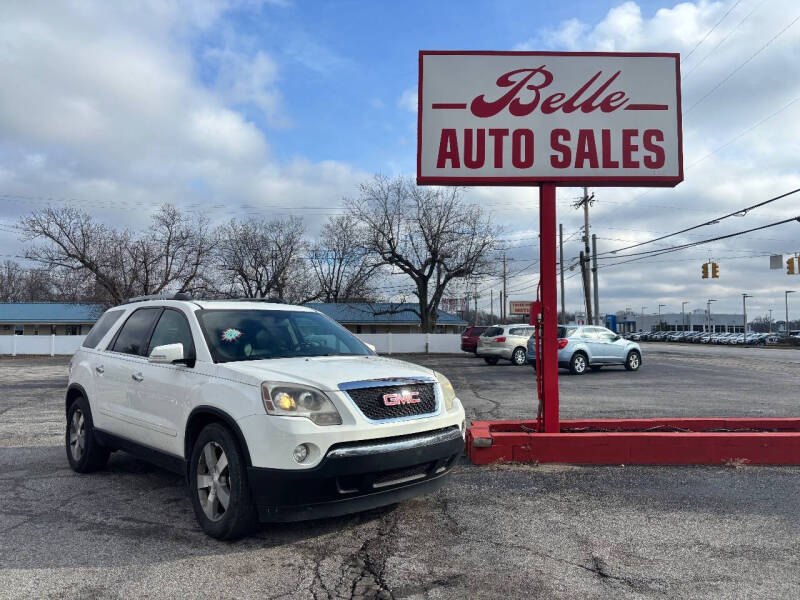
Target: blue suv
[(582, 347)]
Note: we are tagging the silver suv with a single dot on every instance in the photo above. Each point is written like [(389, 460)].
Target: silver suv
[(592, 347), (504, 341)]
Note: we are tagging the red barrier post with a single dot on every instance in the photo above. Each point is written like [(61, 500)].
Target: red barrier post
[(548, 281)]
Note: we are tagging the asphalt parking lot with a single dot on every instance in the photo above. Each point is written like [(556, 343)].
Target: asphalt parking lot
[(504, 531)]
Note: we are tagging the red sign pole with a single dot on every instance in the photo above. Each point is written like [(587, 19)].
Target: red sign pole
[(548, 281)]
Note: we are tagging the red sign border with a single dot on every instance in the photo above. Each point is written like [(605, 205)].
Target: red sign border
[(601, 181)]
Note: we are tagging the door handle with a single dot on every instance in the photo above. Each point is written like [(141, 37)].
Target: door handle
[(100, 369), (137, 376)]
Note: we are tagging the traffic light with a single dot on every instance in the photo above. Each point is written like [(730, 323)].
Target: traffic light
[(714, 270), (705, 270), (790, 266)]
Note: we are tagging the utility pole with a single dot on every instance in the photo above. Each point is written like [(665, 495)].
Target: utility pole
[(708, 310), (659, 315), (584, 202), (587, 291), (744, 310), (475, 298), (786, 300), (683, 314), (504, 297), (561, 261), (770, 320), (594, 279), (491, 307)]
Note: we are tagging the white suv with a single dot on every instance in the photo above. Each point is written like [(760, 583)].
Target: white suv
[(271, 411)]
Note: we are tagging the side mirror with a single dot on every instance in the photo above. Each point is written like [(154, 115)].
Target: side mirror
[(167, 354), (617, 338), (371, 347)]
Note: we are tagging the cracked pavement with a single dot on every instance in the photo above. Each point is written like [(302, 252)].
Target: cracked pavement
[(510, 531)]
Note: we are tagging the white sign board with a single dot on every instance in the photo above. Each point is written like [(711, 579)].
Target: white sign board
[(523, 118)]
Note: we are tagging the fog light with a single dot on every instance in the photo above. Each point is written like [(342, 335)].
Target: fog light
[(300, 453)]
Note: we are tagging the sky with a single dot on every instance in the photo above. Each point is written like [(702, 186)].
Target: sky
[(266, 108)]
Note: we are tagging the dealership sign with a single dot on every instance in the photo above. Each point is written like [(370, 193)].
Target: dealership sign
[(516, 307), (522, 118)]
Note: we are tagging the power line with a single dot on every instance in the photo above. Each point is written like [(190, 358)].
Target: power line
[(685, 76), (740, 213), (650, 253), (739, 68), (709, 32)]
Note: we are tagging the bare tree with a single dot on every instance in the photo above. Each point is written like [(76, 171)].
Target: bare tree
[(260, 258), (12, 282), (342, 266), (170, 255), (430, 234)]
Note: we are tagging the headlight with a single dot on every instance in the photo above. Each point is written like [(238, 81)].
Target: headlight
[(448, 393), (292, 400)]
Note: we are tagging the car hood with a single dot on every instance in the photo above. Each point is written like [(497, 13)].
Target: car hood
[(323, 372)]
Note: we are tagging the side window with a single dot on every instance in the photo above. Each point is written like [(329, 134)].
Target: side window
[(100, 328), (589, 333), (606, 334), (172, 328), (516, 331), (132, 338)]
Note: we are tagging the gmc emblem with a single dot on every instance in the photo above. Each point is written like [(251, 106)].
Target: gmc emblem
[(404, 397)]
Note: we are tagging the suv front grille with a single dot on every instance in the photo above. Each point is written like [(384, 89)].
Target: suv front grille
[(372, 401)]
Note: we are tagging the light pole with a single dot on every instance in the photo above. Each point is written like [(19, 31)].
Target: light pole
[(708, 310), (659, 315), (642, 316), (744, 310), (683, 314), (786, 300), (770, 320)]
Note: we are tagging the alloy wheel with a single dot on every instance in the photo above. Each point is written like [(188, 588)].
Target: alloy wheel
[(580, 363), (213, 481), (77, 435), (519, 357), (633, 360)]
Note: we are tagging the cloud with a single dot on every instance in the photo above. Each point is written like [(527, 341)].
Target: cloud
[(408, 100), (109, 106), (757, 158)]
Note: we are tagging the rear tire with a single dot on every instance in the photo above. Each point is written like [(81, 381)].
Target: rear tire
[(578, 364), (491, 360), (218, 485), (518, 357), (633, 361), (84, 452)]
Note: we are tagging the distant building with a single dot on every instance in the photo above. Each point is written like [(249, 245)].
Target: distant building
[(695, 320), (47, 318), (384, 317)]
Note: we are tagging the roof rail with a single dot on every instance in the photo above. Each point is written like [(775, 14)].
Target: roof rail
[(176, 296), (273, 300)]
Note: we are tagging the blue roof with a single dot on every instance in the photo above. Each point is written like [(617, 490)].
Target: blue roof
[(45, 313), (389, 312)]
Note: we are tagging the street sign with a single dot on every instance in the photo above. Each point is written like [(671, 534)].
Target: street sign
[(519, 307), (526, 118), (776, 261)]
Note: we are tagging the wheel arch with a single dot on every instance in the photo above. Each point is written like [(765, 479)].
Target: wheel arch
[(74, 391), (204, 415)]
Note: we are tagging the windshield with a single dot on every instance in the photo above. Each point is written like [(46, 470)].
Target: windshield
[(234, 335)]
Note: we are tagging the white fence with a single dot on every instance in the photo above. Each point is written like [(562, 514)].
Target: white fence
[(424, 343), (385, 343), (44, 345)]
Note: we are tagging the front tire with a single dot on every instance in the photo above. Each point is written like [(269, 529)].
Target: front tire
[(578, 364), (218, 485), (633, 361), (518, 357), (84, 452), (491, 360)]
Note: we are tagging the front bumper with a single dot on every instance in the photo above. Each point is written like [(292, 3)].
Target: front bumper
[(356, 476)]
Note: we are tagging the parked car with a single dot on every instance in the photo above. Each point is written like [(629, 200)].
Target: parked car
[(504, 341), (469, 339), (270, 411), (591, 347)]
